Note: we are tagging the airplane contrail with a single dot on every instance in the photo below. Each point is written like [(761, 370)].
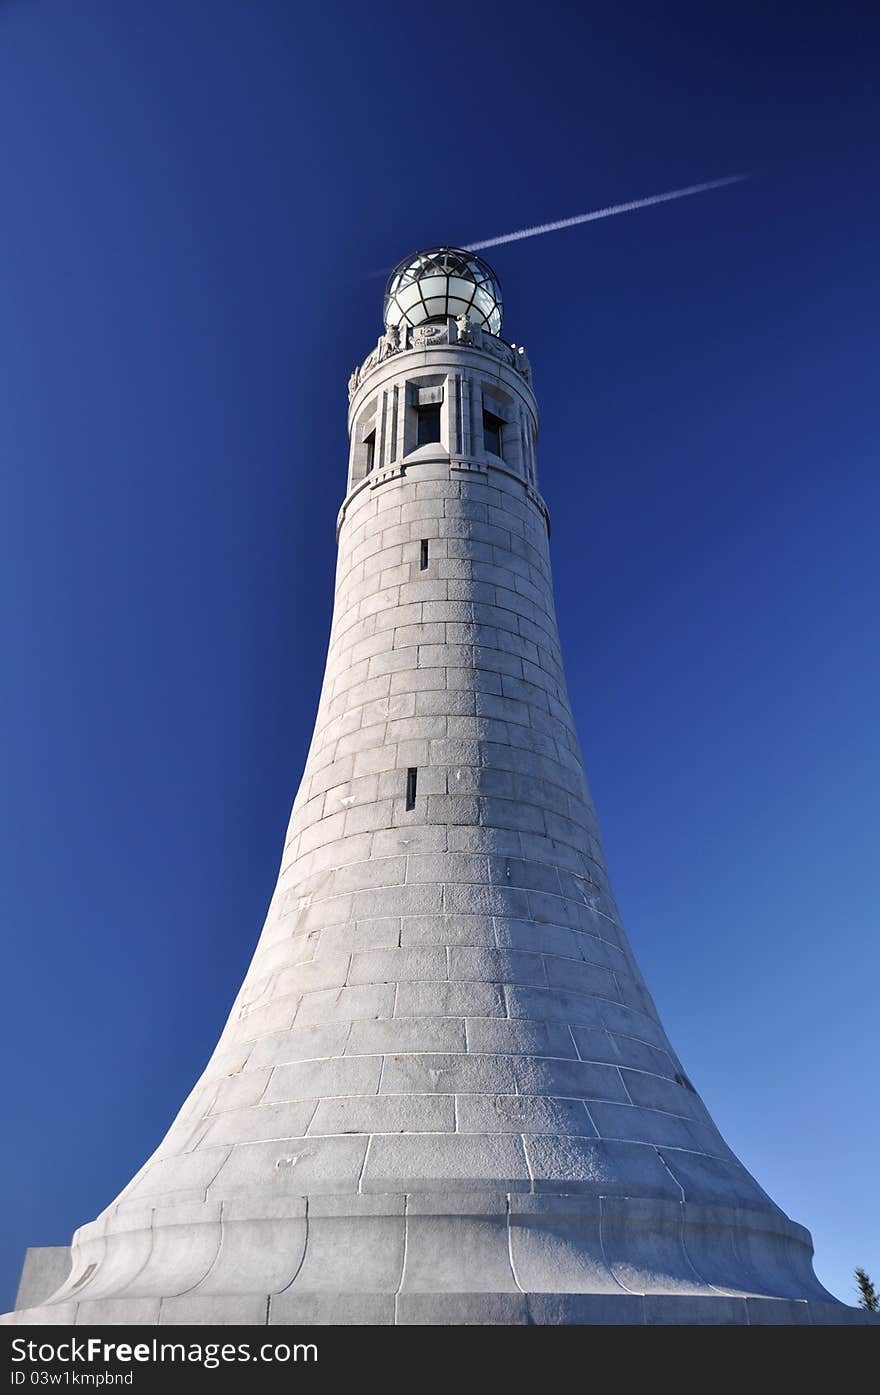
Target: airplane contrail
[(605, 212)]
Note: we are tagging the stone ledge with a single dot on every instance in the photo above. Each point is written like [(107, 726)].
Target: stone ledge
[(453, 1309)]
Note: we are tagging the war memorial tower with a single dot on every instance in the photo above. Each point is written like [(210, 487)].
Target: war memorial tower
[(443, 1094)]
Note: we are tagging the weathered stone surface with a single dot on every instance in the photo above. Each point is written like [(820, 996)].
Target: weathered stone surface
[(44, 1270)]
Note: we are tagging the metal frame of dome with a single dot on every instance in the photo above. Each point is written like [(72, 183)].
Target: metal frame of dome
[(469, 286)]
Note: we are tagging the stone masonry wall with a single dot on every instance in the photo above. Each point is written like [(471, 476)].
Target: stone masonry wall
[(443, 1092), (442, 996)]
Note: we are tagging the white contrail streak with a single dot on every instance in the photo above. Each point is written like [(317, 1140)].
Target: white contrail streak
[(605, 212)]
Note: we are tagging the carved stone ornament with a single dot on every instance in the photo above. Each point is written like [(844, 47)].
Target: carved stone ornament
[(499, 349), (429, 334), (390, 343), (521, 362)]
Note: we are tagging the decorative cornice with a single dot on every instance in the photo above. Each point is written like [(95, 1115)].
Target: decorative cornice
[(460, 332), (457, 467)]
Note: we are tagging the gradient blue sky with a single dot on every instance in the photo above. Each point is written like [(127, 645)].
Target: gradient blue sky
[(193, 196)]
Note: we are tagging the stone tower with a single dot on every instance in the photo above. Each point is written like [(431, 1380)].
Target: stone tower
[(443, 1093)]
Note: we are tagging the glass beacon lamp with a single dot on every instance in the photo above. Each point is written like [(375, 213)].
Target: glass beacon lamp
[(443, 282)]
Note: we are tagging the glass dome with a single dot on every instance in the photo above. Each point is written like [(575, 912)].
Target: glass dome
[(443, 281)]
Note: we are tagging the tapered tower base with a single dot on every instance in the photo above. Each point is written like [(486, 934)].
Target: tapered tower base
[(432, 1258)]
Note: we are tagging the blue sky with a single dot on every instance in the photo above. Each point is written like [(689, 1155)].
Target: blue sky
[(194, 195)]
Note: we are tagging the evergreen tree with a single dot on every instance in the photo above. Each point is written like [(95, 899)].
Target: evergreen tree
[(869, 1297)]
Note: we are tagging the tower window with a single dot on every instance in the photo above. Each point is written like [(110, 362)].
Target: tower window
[(370, 451), (411, 779), (423, 556), (492, 428), (429, 424)]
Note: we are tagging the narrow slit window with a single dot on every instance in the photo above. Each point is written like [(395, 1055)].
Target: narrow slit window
[(429, 424), (423, 556), (492, 430), (412, 776), (370, 451)]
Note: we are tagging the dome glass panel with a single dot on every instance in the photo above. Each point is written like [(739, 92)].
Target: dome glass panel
[(443, 281)]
